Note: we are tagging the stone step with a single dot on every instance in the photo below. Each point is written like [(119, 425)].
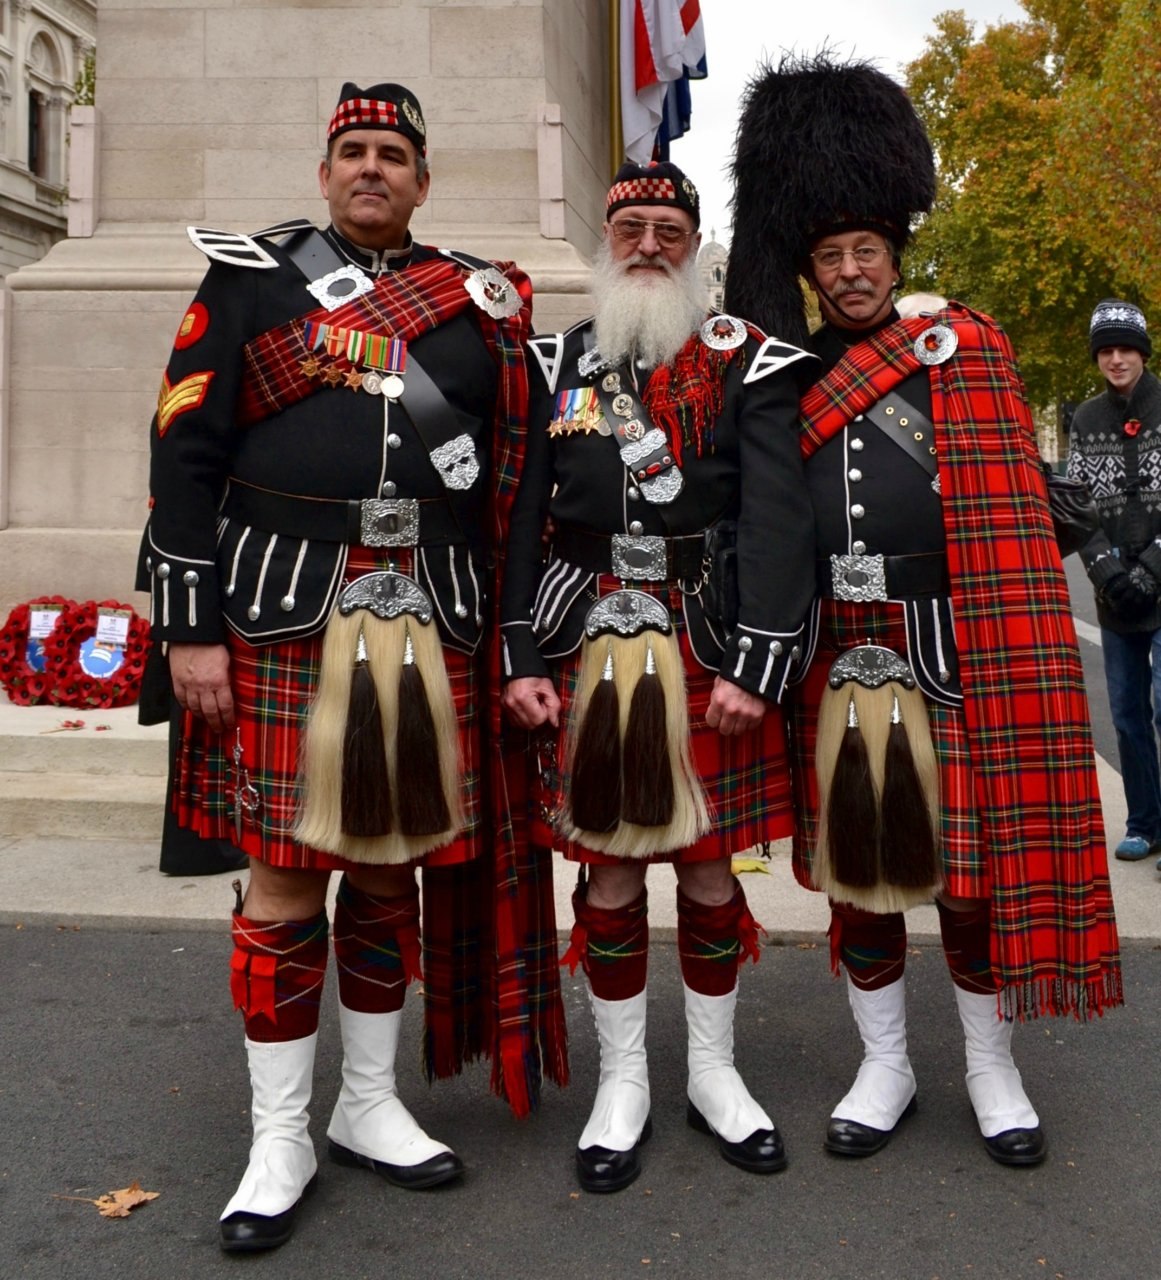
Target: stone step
[(33, 741), (83, 806)]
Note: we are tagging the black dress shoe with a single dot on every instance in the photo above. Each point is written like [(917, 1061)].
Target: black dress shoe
[(850, 1138), (244, 1232), (1018, 1146), (761, 1152), (412, 1177), (601, 1169)]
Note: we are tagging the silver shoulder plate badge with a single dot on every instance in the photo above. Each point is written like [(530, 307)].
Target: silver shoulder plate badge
[(936, 344), (494, 293), (231, 247), (723, 333), (592, 362)]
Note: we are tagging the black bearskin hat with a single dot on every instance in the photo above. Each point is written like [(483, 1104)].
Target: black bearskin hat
[(821, 146)]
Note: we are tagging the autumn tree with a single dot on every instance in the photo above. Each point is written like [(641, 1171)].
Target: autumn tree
[(1025, 225)]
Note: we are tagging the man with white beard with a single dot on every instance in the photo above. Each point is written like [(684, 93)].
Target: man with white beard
[(646, 652)]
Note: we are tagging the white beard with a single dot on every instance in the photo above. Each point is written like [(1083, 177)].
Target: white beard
[(651, 318)]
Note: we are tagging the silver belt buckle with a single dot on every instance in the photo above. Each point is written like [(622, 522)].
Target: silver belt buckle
[(389, 522), (858, 578), (640, 556)]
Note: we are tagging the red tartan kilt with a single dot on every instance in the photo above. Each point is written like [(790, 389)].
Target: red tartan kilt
[(844, 625), (746, 777), (273, 686)]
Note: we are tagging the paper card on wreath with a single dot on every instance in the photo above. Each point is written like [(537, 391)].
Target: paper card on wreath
[(42, 621), (112, 627)]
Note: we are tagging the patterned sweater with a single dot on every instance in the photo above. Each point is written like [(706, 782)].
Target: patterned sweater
[(1097, 456)]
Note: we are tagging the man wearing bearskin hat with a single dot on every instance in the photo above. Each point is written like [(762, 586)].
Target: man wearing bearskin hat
[(940, 731), (329, 455), (648, 651)]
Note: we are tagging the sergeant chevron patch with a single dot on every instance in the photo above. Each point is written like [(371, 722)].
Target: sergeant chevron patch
[(180, 397)]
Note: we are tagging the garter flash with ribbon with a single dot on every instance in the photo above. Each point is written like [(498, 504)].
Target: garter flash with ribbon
[(380, 764), (878, 785), (632, 787)]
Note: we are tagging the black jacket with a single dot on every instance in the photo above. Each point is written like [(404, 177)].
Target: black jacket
[(750, 472)]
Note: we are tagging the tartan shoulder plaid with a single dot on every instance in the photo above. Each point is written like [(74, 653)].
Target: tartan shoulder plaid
[(1054, 936)]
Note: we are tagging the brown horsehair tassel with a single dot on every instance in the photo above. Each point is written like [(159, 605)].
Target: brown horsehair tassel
[(649, 797), (596, 767), (852, 812), (423, 809), (366, 798), (909, 853)]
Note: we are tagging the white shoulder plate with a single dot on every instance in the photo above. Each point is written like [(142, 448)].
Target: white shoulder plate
[(548, 348), (231, 247), (467, 260), (283, 228), (771, 356)]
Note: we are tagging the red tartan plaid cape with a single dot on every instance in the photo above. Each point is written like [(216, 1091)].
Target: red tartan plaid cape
[(1053, 936), (491, 979)]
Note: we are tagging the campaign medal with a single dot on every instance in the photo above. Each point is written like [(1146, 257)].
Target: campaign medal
[(383, 359)]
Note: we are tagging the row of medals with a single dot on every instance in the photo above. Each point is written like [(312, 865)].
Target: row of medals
[(371, 380)]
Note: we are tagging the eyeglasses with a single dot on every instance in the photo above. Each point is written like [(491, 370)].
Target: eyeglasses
[(866, 255), (632, 230)]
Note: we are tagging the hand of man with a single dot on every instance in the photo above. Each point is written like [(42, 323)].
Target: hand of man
[(732, 709), (201, 682), (1127, 598), (531, 701)]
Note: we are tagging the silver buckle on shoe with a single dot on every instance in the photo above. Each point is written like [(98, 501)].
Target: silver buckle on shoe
[(389, 522), (640, 556), (858, 578)]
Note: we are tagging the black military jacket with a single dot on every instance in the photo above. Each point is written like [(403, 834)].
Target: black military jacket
[(871, 498), (751, 473), (207, 570)]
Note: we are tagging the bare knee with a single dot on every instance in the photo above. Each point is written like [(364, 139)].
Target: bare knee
[(615, 886), (384, 882), (710, 883), (284, 893)]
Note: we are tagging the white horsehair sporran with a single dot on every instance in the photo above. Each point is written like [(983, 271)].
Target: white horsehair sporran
[(878, 785), (633, 790), (359, 753)]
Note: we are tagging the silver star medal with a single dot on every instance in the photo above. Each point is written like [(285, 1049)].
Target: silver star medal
[(494, 293)]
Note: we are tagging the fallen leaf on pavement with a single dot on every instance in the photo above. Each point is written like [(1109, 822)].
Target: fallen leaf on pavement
[(117, 1204)]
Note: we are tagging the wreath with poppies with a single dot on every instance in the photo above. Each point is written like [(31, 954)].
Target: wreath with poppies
[(72, 685), (23, 682)]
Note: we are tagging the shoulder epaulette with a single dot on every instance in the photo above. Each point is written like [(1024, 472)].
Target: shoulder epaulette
[(548, 348), (467, 260), (773, 355), (283, 229), (231, 247)]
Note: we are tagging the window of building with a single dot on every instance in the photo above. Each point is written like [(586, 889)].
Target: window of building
[(36, 135)]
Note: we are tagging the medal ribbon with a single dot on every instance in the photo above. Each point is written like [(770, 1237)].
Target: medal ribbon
[(375, 350)]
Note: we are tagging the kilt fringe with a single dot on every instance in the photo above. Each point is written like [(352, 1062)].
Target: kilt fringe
[(630, 658), (878, 781), (321, 821)]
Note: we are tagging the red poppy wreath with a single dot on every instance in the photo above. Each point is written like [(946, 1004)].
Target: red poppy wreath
[(100, 658), (24, 647)]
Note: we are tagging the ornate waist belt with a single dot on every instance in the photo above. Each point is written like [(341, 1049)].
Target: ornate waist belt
[(875, 577), (366, 522), (633, 556)]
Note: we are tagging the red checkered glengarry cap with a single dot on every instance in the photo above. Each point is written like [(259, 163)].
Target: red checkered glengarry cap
[(656, 184), (383, 106)]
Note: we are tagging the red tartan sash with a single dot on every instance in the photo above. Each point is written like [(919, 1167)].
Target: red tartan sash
[(1054, 938), (402, 304)]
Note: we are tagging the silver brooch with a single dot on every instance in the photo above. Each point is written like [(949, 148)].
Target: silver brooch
[(494, 293), (935, 345), (723, 333), (339, 287)]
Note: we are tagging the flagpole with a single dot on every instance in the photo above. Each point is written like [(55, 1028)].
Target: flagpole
[(616, 131)]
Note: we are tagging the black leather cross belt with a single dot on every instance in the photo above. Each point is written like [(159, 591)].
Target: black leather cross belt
[(365, 522), (644, 557), (875, 577)]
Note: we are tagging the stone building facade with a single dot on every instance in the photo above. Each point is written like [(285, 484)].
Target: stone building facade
[(43, 46)]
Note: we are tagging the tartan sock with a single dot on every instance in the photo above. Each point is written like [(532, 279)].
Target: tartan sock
[(967, 946), (713, 941), (611, 946), (872, 948), (276, 975), (376, 948)]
